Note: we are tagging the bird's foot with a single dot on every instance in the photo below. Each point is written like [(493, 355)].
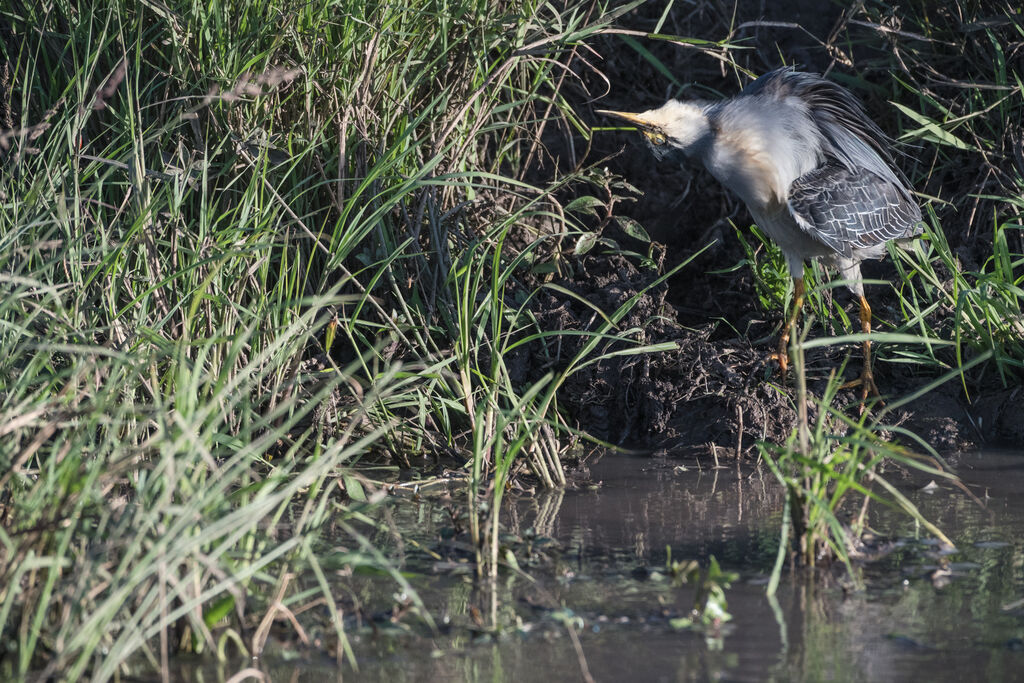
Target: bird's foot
[(782, 358), (867, 385)]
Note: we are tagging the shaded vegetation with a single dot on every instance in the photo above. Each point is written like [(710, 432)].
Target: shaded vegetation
[(245, 245)]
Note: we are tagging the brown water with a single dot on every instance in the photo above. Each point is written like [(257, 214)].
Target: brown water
[(595, 598)]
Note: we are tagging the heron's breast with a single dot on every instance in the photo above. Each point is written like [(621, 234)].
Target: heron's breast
[(742, 163), (761, 147)]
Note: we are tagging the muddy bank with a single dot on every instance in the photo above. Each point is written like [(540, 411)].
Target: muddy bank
[(718, 389)]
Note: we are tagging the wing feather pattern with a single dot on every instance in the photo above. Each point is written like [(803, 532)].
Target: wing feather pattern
[(851, 210)]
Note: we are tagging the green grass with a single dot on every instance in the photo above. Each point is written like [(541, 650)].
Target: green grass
[(245, 245)]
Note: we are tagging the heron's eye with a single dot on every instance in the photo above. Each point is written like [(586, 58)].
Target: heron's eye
[(656, 138)]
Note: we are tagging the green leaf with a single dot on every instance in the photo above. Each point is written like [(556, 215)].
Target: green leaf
[(545, 268), (633, 228), (510, 559), (681, 623), (651, 59), (585, 243), (218, 610), (937, 134), (586, 204), (354, 489)]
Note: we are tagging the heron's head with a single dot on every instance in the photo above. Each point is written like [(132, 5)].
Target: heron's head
[(675, 125)]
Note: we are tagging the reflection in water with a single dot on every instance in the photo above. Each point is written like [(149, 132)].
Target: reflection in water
[(591, 595)]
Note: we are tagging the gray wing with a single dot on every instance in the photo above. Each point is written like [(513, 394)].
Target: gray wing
[(850, 211)]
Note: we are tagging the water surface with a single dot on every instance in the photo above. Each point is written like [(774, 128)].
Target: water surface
[(595, 597)]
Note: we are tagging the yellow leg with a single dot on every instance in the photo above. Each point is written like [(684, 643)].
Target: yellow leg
[(798, 303), (867, 378)]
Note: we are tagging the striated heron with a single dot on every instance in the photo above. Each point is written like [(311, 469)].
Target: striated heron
[(815, 172)]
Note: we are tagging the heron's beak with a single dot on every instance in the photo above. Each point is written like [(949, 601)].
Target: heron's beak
[(652, 131), (636, 119)]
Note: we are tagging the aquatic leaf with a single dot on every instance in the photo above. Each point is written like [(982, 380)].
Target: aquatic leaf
[(567, 618), (681, 623)]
